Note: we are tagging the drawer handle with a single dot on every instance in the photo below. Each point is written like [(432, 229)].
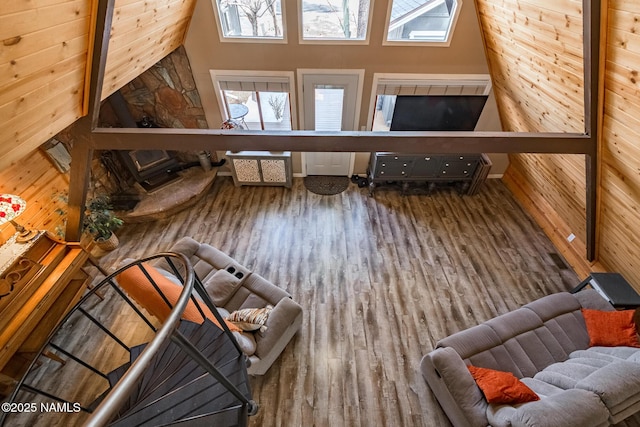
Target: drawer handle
[(444, 171), (464, 172), (384, 164), (396, 157), (461, 157), (405, 165), (403, 172), (381, 172), (446, 164), (427, 158)]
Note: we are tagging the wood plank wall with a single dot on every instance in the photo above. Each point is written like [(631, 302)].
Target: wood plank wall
[(43, 60), (44, 49), (534, 49), (142, 33), (619, 242), (43, 187), (549, 98)]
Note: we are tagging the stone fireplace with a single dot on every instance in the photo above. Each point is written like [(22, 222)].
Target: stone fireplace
[(150, 168)]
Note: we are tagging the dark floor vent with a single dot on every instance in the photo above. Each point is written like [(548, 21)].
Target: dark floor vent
[(558, 261)]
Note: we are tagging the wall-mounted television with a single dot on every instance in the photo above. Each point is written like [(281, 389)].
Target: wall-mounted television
[(437, 112)]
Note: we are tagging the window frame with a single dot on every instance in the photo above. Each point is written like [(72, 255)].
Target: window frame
[(418, 42), (333, 41), (250, 39), (253, 76), (403, 79)]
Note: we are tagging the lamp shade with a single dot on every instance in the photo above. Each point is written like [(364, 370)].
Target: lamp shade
[(10, 207)]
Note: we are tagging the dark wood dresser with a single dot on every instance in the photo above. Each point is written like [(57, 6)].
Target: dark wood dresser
[(40, 281), (467, 171)]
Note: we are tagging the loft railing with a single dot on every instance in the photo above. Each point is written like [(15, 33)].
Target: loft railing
[(108, 406)]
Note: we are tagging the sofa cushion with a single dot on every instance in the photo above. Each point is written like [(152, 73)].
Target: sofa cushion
[(501, 387), (221, 286), (609, 354), (565, 375), (554, 305), (472, 341), (611, 328), (567, 408), (615, 383)]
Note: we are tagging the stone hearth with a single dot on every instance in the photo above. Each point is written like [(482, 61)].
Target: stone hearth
[(193, 184)]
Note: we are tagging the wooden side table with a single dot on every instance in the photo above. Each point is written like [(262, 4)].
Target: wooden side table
[(40, 281), (612, 287)]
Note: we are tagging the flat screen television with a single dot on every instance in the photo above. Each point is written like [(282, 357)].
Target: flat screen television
[(437, 112)]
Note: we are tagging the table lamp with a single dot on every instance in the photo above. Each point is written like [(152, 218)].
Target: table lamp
[(10, 207)]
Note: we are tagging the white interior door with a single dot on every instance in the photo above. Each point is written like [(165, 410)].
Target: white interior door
[(330, 103)]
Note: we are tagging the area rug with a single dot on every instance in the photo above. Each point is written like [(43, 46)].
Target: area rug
[(326, 185)]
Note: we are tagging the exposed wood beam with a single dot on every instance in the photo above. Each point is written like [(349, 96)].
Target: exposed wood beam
[(80, 174), (593, 47), (79, 178), (406, 142)]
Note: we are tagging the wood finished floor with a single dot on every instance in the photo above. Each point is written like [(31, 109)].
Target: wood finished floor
[(380, 279)]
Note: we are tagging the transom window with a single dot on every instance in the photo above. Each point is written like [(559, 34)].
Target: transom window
[(426, 21), (337, 20), (250, 19)]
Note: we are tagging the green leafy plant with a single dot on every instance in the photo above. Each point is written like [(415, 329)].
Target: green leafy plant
[(99, 219)]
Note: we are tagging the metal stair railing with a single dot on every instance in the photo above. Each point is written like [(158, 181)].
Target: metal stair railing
[(115, 397)]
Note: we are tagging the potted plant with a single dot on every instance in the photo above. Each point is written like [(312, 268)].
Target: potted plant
[(101, 222)]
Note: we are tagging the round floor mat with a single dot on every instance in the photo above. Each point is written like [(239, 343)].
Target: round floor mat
[(326, 185)]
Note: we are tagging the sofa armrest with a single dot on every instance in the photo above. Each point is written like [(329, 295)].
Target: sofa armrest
[(454, 387), (283, 315)]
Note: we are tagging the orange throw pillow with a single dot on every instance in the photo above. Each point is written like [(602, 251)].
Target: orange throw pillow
[(138, 287), (501, 387), (611, 328)]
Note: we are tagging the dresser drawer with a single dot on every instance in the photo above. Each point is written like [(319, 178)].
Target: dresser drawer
[(458, 169)]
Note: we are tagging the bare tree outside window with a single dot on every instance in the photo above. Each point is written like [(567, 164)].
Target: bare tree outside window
[(335, 19), (251, 18)]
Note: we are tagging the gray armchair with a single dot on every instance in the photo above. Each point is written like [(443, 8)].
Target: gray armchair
[(232, 287)]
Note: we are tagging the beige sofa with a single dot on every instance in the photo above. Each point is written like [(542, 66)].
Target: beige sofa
[(232, 287)]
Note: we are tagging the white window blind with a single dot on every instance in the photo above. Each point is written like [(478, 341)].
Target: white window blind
[(253, 83), (425, 87)]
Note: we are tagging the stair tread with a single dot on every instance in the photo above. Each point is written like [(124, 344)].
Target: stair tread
[(174, 361), (183, 369), (136, 351), (202, 395), (230, 417), (115, 375), (177, 382)]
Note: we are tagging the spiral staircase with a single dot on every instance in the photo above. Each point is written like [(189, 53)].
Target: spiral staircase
[(186, 374)]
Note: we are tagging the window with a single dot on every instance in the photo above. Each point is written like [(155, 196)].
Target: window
[(337, 20), (249, 19), (426, 21), (255, 101), (389, 86)]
